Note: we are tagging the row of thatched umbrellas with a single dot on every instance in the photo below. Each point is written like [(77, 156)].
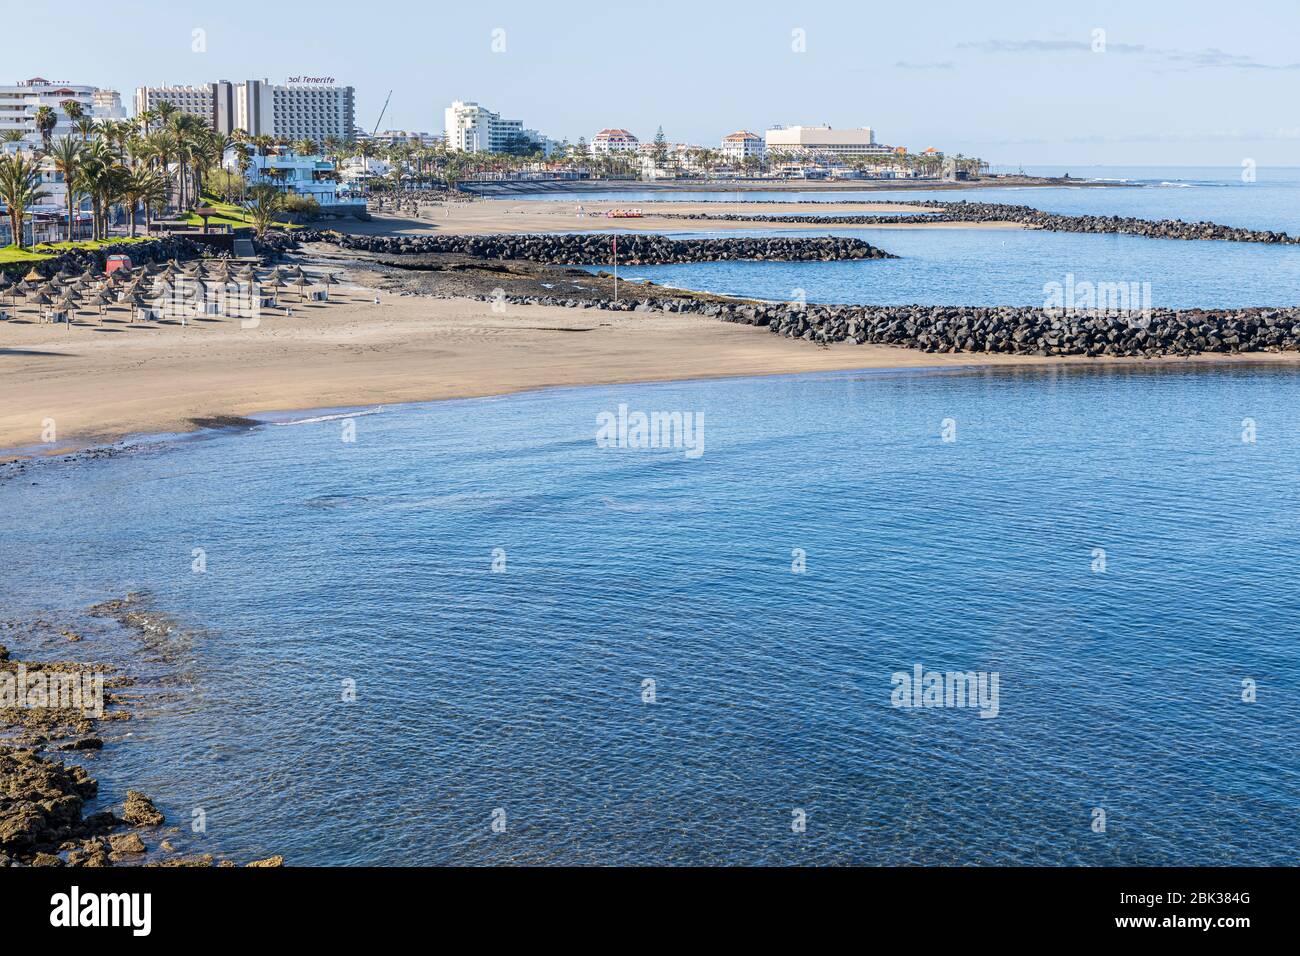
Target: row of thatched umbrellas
[(153, 288)]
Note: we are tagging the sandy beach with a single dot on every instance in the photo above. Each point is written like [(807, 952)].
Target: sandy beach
[(99, 383)]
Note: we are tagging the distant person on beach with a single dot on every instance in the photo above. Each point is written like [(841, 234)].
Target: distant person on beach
[(579, 210)]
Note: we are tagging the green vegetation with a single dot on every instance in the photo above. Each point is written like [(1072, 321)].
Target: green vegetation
[(262, 208), (302, 205), (20, 189), (48, 250), (232, 214)]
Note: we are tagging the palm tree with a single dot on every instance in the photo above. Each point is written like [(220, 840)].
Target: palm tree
[(85, 126), (187, 130), (46, 120), (20, 189), (305, 147), (163, 112), (262, 208), (11, 136), (67, 155), (144, 187), (104, 178)]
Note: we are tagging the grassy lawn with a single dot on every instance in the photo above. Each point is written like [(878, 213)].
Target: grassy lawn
[(47, 250), (229, 214)]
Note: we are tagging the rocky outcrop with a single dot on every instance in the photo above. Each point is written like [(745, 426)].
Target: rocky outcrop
[(595, 248), (139, 811)]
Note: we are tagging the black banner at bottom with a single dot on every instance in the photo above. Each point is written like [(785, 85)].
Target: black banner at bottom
[(335, 905)]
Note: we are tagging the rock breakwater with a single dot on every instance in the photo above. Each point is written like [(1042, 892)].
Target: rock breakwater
[(966, 211), (1012, 330), (638, 249)]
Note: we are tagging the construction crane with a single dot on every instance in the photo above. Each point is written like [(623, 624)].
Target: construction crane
[(381, 114)]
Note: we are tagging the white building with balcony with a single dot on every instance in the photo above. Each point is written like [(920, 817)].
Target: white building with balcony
[(19, 103), (313, 176)]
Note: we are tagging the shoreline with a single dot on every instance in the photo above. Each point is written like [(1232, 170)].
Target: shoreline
[(531, 187), (233, 414), (54, 743)]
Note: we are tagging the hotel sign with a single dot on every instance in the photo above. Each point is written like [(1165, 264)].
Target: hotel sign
[(310, 81)]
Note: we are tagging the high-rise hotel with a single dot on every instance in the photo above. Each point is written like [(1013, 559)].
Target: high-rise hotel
[(314, 110)]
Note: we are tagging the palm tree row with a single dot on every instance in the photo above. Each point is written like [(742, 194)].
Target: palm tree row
[(155, 162)]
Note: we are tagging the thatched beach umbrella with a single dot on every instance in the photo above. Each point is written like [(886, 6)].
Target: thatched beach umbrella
[(40, 299), (136, 304), (98, 301), (328, 280), (68, 307), (301, 282)]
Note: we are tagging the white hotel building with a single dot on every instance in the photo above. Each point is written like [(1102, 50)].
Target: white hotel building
[(840, 143), (19, 103), (471, 128), (613, 141), (310, 110), (742, 145)]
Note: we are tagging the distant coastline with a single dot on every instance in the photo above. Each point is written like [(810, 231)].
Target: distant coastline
[(521, 187)]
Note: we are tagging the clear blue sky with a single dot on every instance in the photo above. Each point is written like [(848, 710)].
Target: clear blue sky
[(1186, 83)]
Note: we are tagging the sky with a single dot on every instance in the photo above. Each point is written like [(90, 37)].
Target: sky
[(1144, 82)]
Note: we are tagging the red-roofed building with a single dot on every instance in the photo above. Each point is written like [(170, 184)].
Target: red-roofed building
[(613, 141), (741, 145)]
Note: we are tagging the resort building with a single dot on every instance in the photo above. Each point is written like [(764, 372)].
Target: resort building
[(214, 102), (613, 141), (19, 103), (742, 145), (108, 105), (839, 143), (313, 176), (392, 137), (317, 111), (471, 128)]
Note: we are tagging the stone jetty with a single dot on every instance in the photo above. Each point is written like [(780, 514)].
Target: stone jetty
[(965, 211), (637, 249), (1012, 330)]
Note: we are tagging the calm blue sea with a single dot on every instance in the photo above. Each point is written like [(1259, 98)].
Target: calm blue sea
[(1219, 194), (648, 680), (1001, 267), (523, 692), (1012, 267)]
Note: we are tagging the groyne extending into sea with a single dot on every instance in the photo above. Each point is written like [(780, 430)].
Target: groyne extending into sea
[(976, 212)]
